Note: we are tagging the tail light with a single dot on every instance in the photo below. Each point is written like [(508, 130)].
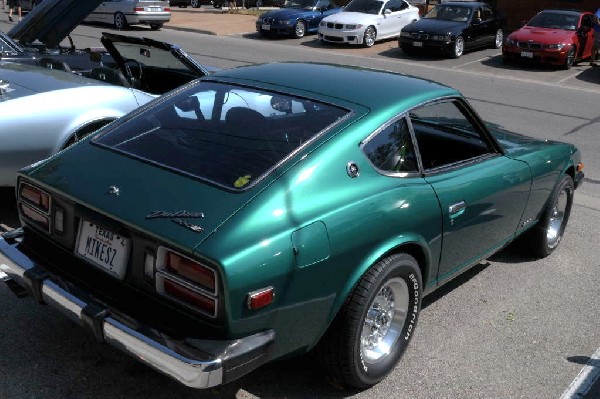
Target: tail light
[(186, 280), (167, 9), (38, 199), (34, 205), (138, 9)]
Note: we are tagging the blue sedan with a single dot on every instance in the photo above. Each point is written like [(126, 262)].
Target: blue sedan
[(296, 17)]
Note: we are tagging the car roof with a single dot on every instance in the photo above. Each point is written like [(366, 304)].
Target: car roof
[(343, 85)]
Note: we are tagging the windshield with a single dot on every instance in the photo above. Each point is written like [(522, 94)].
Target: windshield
[(304, 4), (555, 20), (455, 13), (148, 55), (364, 6), (226, 134)]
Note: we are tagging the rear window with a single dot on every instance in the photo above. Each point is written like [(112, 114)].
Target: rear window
[(229, 135)]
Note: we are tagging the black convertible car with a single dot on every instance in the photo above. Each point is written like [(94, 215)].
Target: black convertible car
[(453, 27)]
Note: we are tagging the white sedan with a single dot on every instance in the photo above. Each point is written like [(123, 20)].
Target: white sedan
[(366, 21)]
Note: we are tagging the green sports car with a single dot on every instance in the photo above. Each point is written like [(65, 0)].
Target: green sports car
[(278, 209)]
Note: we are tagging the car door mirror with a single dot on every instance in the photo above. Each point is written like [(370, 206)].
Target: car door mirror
[(387, 11), (476, 21)]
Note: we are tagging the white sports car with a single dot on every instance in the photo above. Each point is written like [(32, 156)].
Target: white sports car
[(366, 21), (43, 110)]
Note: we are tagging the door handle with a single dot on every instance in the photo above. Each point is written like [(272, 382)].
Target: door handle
[(457, 209)]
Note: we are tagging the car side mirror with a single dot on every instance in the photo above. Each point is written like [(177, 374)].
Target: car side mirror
[(387, 11), (476, 21)]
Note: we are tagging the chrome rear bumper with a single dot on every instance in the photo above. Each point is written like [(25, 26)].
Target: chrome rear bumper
[(193, 362)]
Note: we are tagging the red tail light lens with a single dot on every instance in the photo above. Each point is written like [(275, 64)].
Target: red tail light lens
[(35, 217), (189, 296), (138, 9), (191, 270), (168, 9), (34, 196)]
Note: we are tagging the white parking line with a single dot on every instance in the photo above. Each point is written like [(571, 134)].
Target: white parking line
[(472, 62), (567, 78), (584, 380)]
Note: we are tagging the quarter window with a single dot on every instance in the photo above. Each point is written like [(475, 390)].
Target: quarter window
[(392, 150), (445, 135)]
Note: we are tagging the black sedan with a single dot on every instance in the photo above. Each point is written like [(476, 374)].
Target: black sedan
[(451, 28)]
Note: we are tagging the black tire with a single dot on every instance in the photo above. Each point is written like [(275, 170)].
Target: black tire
[(369, 37), (120, 21), (544, 237), (570, 60), (156, 26), (348, 352), (299, 29), (195, 3), (459, 47)]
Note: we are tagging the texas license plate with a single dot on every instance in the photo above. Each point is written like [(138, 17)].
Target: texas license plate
[(266, 27), (418, 44), (526, 54), (104, 248)]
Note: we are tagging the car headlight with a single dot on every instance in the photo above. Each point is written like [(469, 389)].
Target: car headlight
[(558, 46), (405, 34), (322, 23), (353, 26), (441, 38), (510, 41), (285, 22)]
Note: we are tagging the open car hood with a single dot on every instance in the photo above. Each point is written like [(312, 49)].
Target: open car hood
[(151, 52), (51, 21)]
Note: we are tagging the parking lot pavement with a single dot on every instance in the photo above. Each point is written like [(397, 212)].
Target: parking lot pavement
[(211, 21)]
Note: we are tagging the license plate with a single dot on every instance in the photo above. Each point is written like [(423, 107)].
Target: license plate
[(266, 27), (105, 249), (418, 44), (526, 54), (154, 9)]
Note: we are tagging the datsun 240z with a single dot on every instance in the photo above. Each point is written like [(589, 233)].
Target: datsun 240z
[(247, 216)]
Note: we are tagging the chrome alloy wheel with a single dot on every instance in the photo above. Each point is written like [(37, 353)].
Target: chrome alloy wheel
[(384, 321), (557, 216), (370, 36)]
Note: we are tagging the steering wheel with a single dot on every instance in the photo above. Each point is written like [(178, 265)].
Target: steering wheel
[(130, 66)]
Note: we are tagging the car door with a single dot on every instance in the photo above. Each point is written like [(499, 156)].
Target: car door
[(478, 29), (585, 34), (482, 193), (391, 23)]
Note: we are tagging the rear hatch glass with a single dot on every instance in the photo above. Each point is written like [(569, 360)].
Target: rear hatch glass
[(229, 135)]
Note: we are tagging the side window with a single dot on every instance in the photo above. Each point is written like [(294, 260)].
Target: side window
[(445, 135), (488, 14), (393, 5), (392, 150), (322, 4)]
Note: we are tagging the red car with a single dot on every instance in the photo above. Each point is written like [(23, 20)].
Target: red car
[(555, 37)]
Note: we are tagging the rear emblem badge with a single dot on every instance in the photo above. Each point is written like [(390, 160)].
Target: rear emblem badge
[(177, 218), (352, 169), (114, 190)]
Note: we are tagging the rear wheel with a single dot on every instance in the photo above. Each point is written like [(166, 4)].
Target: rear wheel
[(373, 328), (120, 21), (544, 237), (369, 37), (499, 39), (299, 29), (156, 26)]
